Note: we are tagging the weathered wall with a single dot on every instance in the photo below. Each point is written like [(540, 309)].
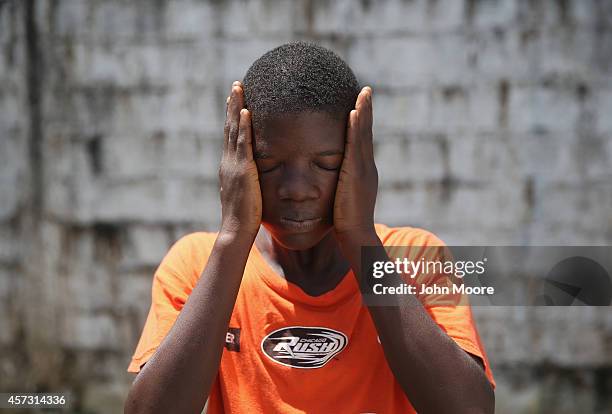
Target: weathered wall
[(492, 125)]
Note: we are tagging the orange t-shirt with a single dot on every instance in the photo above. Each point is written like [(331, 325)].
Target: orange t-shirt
[(288, 352)]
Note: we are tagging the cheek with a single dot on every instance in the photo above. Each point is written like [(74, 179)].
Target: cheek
[(330, 183), (269, 197), (269, 184), (327, 187)]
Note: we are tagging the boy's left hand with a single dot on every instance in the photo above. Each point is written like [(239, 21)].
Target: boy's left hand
[(358, 179)]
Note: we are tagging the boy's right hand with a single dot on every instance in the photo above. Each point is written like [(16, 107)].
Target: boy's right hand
[(241, 206)]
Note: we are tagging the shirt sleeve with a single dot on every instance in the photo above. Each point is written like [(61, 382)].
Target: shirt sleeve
[(173, 282), (452, 313)]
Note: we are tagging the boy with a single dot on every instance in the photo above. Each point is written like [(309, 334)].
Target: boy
[(278, 284)]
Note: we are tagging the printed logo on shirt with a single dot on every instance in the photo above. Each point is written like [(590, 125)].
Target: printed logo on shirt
[(232, 339), (303, 346)]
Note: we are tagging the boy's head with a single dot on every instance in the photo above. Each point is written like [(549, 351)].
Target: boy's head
[(299, 77), (299, 95)]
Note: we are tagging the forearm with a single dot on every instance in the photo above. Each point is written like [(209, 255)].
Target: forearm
[(434, 372), (179, 376)]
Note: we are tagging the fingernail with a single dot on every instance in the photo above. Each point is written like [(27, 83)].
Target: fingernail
[(236, 83), (227, 100)]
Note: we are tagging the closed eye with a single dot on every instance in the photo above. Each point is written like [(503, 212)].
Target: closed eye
[(331, 161), (263, 168), (328, 168)]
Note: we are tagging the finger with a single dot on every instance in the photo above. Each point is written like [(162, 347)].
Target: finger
[(244, 148), (361, 99), (369, 105), (226, 126), (351, 134), (366, 120), (361, 108), (236, 104)]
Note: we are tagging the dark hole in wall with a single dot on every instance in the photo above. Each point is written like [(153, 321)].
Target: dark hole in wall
[(499, 34), (446, 186), (452, 91), (603, 388), (503, 96), (529, 192), (71, 235), (366, 5), (469, 11), (582, 92), (68, 372), (564, 14), (107, 237), (34, 73), (71, 374), (107, 232), (19, 357), (94, 151), (447, 183), (12, 42)]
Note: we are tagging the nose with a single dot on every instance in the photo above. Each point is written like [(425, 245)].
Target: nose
[(297, 185)]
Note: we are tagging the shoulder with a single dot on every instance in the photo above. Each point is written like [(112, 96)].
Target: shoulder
[(192, 243), (195, 240), (406, 236), (190, 250), (182, 265)]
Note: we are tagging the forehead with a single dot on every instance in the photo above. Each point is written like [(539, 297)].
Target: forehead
[(303, 131)]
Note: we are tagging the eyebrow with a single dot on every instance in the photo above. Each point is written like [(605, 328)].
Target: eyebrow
[(331, 152), (262, 155)]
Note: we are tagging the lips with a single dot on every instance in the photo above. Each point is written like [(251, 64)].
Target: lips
[(300, 217), (300, 223)]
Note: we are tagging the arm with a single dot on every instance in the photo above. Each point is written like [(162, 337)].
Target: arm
[(434, 372), (180, 374)]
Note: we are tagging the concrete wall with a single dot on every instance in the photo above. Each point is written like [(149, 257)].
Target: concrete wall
[(492, 125)]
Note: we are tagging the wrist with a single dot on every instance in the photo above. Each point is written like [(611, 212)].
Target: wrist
[(233, 236), (233, 227)]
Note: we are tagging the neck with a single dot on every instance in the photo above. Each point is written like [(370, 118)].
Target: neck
[(316, 270)]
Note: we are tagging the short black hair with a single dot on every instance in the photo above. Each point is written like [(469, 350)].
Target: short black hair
[(299, 77)]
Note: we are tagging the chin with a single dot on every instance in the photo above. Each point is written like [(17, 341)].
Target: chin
[(298, 241)]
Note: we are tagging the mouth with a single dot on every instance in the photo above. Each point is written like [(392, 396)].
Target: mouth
[(300, 224)]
